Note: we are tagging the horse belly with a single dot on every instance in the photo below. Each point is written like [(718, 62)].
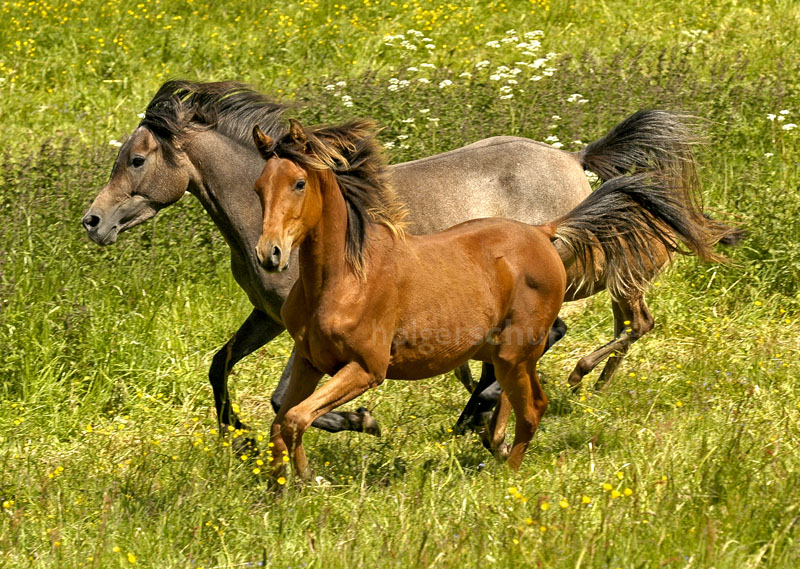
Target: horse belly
[(442, 334)]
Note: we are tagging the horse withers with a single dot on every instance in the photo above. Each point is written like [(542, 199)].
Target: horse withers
[(372, 302)]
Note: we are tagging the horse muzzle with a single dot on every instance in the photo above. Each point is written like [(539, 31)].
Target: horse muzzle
[(99, 231), (272, 257)]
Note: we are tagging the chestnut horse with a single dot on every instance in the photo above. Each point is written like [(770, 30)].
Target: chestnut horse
[(372, 302)]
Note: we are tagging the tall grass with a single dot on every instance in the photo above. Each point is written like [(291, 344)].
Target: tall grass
[(109, 455)]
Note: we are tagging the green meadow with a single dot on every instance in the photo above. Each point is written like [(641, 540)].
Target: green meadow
[(109, 450)]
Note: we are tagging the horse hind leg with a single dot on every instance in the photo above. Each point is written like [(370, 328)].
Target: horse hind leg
[(478, 410), (521, 388), (639, 319), (636, 320)]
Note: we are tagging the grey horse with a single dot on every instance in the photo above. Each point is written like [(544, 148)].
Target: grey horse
[(196, 137)]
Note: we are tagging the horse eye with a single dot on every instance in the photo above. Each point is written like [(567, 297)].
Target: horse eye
[(300, 185), (137, 161)]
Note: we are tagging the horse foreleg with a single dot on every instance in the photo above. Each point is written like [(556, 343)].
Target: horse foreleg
[(360, 421), (494, 435), (348, 383), (256, 331), (304, 379)]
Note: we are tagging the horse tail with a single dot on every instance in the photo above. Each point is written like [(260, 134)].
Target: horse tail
[(614, 231), (662, 143), (648, 140)]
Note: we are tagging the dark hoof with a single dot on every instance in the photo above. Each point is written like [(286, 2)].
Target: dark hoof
[(502, 452), (367, 422), (474, 423), (245, 445)]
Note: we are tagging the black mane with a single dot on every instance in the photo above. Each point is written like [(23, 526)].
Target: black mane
[(228, 107)]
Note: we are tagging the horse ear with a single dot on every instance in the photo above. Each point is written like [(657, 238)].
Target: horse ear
[(297, 132), (264, 143)]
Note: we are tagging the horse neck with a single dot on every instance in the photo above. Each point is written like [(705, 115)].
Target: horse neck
[(227, 172), (322, 252)]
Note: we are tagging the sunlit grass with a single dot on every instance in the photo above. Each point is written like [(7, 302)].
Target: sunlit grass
[(109, 454)]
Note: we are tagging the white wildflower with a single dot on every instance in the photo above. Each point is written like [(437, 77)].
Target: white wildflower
[(424, 111), (556, 118), (445, 83), (393, 87), (482, 64), (466, 75), (784, 112), (789, 126), (551, 138), (770, 117), (413, 69), (536, 78), (505, 89), (408, 120), (557, 145), (533, 34), (768, 155), (404, 83), (140, 115), (330, 87), (493, 43), (574, 98), (548, 72), (341, 83), (402, 136), (423, 80), (427, 65), (430, 45), (433, 120), (494, 77), (116, 143), (509, 96), (389, 144)]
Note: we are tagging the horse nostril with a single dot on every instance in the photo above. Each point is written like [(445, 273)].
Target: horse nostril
[(91, 221), (275, 256)]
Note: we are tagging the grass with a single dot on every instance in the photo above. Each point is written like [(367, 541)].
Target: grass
[(108, 451)]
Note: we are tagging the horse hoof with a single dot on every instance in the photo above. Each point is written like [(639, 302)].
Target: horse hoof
[(503, 451), (245, 445), (368, 423)]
